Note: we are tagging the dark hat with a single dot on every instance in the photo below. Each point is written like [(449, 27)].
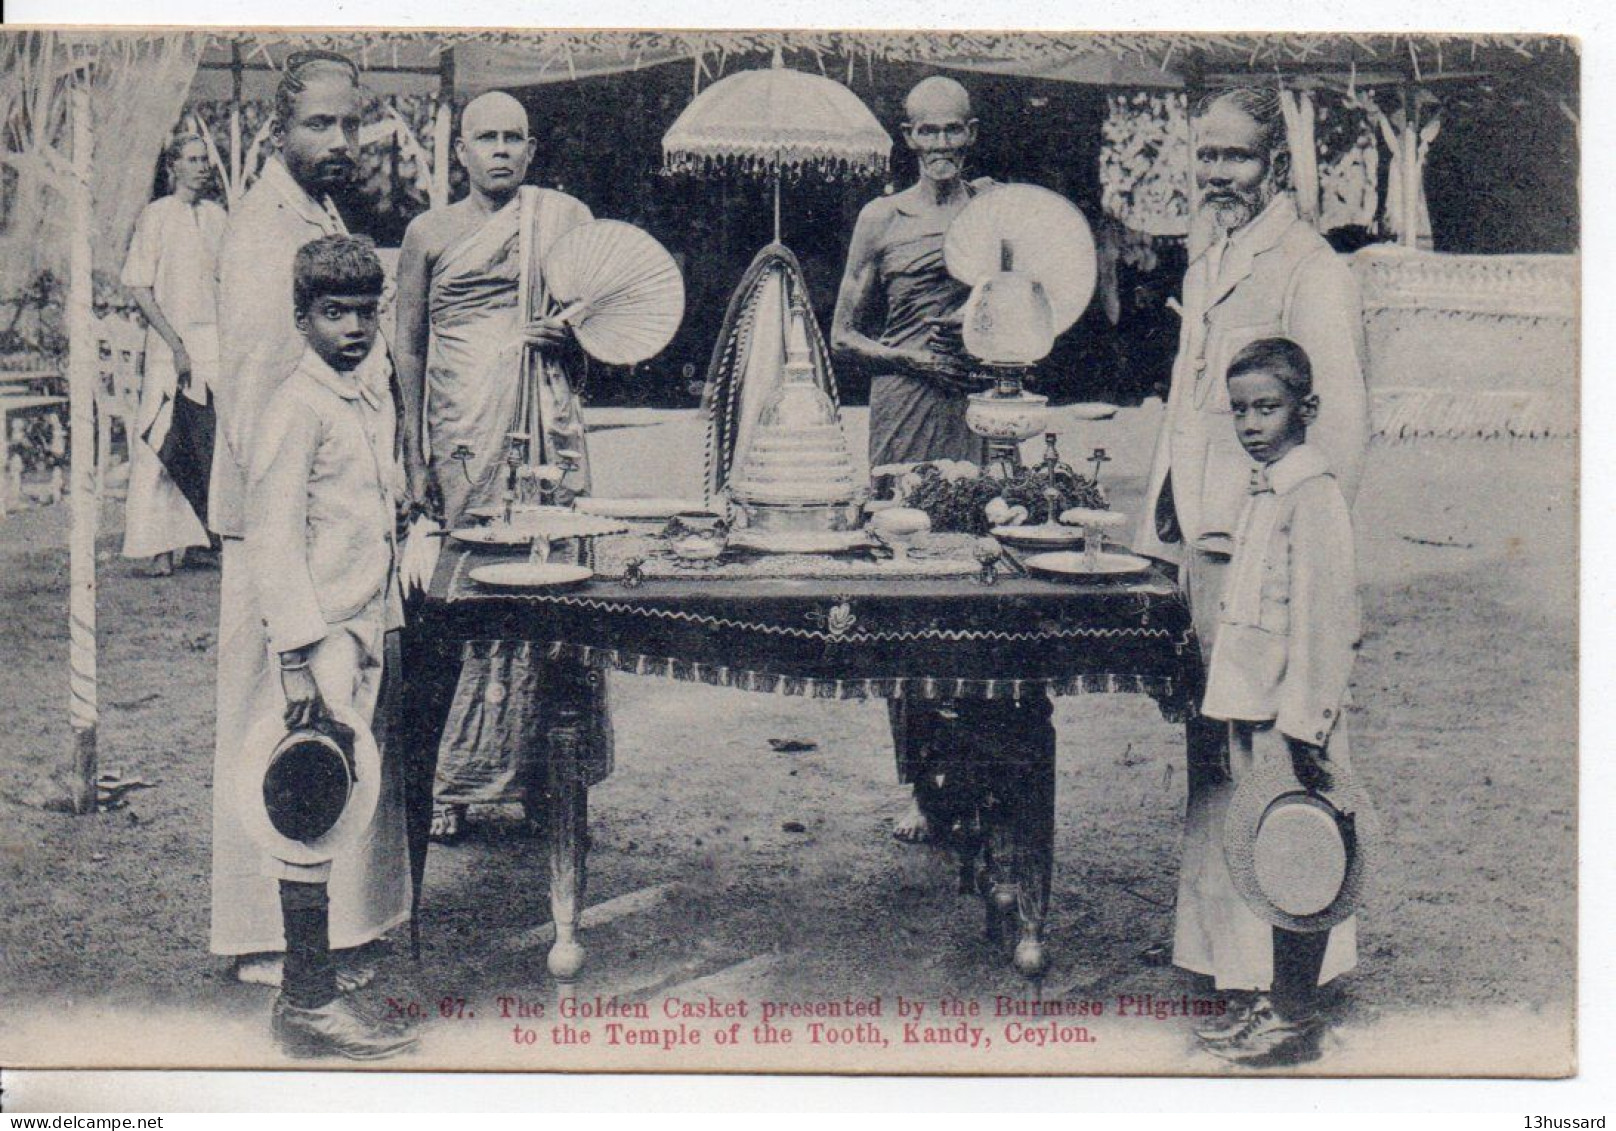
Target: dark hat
[(1298, 855), (309, 779), (309, 793)]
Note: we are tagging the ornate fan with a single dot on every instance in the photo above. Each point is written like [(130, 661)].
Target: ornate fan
[(618, 288), (1049, 239)]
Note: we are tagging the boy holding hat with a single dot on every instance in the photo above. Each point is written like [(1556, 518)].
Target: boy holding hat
[(320, 537), (1287, 633)]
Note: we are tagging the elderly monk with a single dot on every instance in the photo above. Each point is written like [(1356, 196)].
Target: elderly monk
[(461, 339), (317, 111), (917, 408), (917, 395), (465, 351), (1257, 271)]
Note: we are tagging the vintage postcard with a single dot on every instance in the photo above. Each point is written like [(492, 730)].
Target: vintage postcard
[(963, 552)]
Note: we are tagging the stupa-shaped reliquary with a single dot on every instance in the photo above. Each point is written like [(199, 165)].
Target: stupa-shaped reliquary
[(797, 473)]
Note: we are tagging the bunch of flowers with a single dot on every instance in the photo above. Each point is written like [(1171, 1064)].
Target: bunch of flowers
[(955, 494)]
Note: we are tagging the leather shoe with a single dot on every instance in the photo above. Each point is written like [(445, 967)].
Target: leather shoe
[(334, 1029), (1267, 1040), (1232, 1024)]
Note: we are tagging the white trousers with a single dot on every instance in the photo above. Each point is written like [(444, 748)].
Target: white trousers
[(369, 888), (1214, 932), (157, 519)]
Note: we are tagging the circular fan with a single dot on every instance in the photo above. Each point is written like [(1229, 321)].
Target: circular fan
[(618, 288), (1048, 237)]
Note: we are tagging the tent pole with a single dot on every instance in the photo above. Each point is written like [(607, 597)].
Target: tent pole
[(777, 204), (442, 128), (81, 387), (1410, 170)]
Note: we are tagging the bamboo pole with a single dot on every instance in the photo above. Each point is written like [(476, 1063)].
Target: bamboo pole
[(81, 387), (237, 185)]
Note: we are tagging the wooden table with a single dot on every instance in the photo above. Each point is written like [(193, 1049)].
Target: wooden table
[(935, 638)]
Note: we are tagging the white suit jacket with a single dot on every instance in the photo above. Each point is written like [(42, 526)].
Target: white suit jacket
[(321, 489), (1288, 625), (1278, 278)]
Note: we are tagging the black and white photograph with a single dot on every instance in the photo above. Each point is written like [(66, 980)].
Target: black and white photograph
[(798, 551)]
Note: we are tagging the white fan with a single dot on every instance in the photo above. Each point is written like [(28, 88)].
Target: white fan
[(618, 288), (1049, 239)]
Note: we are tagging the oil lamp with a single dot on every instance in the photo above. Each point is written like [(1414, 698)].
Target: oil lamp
[(1008, 327)]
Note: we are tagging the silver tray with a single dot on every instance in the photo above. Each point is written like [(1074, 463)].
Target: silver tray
[(801, 541), (640, 510)]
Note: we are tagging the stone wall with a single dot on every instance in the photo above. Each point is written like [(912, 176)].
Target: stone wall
[(1465, 345)]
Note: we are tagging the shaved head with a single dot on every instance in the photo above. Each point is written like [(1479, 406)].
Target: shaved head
[(937, 95), (496, 109), (939, 129), (494, 145)]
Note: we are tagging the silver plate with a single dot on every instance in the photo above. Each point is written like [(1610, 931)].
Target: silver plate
[(529, 575), (493, 512), (1071, 565), (640, 510), (1044, 536), (493, 535)]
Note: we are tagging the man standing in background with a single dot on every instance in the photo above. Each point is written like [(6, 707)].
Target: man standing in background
[(466, 355)]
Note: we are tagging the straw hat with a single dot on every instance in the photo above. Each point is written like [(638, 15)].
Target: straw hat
[(308, 795), (1298, 856)]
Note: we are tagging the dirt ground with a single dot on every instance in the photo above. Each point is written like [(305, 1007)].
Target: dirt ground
[(1464, 729)]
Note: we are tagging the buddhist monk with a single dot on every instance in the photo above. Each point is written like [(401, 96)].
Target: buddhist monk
[(918, 386), (466, 352)]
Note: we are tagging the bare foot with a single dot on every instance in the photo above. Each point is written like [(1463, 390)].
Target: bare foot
[(269, 970), (913, 827), (354, 974), (448, 824), (259, 969)]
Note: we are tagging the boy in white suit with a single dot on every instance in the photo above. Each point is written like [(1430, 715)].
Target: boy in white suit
[(320, 538), (1287, 636)]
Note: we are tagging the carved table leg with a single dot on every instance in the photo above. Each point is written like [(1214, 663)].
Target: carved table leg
[(1021, 820), (1033, 828), (1000, 875), (569, 841)]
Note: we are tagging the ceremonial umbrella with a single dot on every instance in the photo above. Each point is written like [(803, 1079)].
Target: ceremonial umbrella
[(776, 123)]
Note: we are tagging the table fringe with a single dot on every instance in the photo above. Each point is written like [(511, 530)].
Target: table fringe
[(1166, 690)]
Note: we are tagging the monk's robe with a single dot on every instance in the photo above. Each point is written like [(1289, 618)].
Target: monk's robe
[(478, 372), (913, 418), (479, 381)]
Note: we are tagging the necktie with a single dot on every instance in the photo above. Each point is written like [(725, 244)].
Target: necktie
[(333, 218)]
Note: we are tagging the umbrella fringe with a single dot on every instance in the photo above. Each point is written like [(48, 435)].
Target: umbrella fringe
[(791, 167)]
